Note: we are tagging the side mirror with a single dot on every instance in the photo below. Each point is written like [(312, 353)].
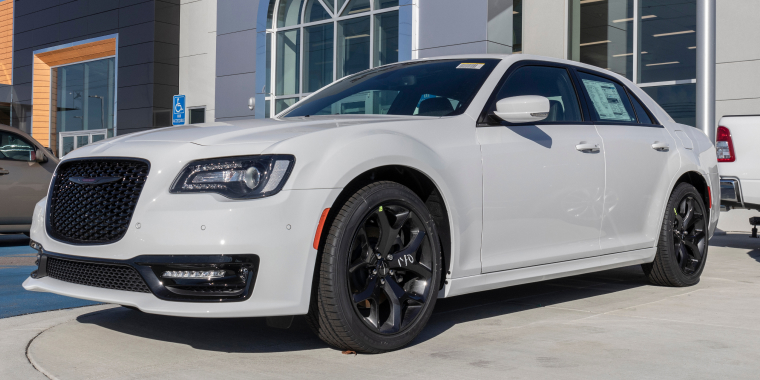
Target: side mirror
[(523, 109), (39, 156)]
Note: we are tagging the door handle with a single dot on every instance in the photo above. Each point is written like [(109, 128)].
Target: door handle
[(660, 146), (3, 171), (588, 148)]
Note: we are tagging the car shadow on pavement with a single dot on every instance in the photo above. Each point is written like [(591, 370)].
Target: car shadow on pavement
[(251, 335)]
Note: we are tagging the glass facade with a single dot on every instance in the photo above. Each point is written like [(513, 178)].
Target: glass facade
[(651, 42), (84, 103), (311, 43)]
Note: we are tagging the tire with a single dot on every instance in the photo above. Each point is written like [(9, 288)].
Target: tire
[(682, 248), (363, 300)]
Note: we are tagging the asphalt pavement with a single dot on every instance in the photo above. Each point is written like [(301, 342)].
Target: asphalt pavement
[(16, 262), (604, 325)]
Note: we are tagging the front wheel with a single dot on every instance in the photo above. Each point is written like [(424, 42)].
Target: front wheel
[(682, 249), (379, 273)]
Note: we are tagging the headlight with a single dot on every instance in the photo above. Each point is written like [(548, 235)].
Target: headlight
[(236, 177)]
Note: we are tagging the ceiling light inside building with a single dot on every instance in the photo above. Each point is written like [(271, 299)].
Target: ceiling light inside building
[(663, 63), (673, 33)]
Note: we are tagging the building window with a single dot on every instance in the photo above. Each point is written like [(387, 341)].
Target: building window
[(84, 102), (318, 41), (651, 42), (197, 115)]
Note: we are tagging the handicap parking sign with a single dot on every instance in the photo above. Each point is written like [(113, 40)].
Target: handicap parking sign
[(178, 111)]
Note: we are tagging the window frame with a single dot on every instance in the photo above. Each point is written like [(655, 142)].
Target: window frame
[(484, 119), (628, 92), (22, 138)]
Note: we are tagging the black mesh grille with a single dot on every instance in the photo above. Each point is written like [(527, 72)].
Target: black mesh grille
[(95, 213), (107, 276)]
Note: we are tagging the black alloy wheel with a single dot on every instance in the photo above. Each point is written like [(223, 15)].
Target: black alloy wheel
[(682, 248), (689, 238), (389, 271), (379, 270)]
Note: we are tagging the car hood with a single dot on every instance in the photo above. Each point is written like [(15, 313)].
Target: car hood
[(248, 131)]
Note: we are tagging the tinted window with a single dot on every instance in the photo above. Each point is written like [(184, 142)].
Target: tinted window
[(551, 82), (641, 112), (13, 147), (609, 101), (426, 88)]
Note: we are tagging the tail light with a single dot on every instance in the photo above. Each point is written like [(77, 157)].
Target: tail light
[(724, 145)]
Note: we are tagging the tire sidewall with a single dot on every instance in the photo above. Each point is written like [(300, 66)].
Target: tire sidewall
[(356, 212)]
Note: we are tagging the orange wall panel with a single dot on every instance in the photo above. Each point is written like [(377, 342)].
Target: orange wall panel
[(6, 42)]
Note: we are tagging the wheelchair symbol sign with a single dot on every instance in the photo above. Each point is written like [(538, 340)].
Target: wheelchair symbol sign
[(178, 111)]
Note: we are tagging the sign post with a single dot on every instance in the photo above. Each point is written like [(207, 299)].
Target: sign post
[(178, 110)]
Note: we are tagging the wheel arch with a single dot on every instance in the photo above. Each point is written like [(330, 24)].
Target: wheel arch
[(421, 184), (697, 180)]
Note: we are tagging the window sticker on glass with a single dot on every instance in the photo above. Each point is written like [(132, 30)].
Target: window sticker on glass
[(475, 66), (607, 101)]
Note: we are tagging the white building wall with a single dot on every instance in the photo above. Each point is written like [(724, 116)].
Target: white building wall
[(545, 28), (197, 54), (737, 57)]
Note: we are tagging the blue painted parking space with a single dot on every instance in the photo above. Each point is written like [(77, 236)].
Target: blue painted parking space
[(16, 262)]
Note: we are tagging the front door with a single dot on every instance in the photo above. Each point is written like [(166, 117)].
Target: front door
[(543, 183), (641, 161), (23, 181)]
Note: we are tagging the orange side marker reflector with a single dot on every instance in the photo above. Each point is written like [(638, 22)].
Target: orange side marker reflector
[(709, 193), (319, 228)]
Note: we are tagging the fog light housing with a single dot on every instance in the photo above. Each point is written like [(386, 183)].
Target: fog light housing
[(207, 274), (35, 245)]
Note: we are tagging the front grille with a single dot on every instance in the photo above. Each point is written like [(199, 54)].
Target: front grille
[(95, 213), (118, 277)]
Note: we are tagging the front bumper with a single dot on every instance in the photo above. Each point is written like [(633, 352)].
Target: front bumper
[(278, 230)]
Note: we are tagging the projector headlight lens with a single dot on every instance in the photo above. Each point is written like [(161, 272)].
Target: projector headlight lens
[(236, 177)]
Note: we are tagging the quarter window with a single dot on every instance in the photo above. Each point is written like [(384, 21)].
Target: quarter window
[(641, 112), (609, 101), (551, 82)]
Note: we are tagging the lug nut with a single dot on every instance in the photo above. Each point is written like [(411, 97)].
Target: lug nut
[(379, 256), (382, 281), (389, 257), (374, 271), (392, 272)]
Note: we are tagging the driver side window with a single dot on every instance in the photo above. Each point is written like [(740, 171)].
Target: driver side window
[(13, 147), (553, 83)]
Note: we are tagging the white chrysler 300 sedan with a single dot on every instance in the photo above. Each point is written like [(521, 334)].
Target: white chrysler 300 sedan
[(363, 203)]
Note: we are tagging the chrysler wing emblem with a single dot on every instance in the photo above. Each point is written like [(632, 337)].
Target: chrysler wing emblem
[(93, 180)]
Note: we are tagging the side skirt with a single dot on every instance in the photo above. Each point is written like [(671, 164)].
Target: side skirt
[(495, 280)]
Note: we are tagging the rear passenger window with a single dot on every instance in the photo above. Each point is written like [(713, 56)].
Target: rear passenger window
[(551, 82), (641, 112), (609, 101)]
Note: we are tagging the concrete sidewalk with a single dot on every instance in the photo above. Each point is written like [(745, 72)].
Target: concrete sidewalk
[(611, 324)]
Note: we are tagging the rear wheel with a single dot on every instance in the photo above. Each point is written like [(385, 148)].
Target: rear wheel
[(682, 249), (379, 273)]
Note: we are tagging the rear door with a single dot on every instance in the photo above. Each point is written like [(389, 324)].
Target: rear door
[(23, 181), (542, 192), (641, 159)]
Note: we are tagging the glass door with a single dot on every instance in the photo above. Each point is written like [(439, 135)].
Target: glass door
[(73, 140)]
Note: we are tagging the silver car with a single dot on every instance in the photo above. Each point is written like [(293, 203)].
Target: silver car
[(25, 171)]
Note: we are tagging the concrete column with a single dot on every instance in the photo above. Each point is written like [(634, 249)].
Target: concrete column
[(544, 28), (706, 67)]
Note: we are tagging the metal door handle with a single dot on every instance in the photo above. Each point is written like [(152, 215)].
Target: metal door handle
[(588, 148), (3, 171), (660, 146)]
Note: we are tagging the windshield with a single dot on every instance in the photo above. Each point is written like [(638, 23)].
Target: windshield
[(423, 88)]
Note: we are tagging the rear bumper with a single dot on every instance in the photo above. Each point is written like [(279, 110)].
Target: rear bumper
[(732, 195)]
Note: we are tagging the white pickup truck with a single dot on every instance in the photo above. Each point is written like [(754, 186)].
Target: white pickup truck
[(739, 162)]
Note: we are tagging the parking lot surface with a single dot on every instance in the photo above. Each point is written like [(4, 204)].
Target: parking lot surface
[(610, 324)]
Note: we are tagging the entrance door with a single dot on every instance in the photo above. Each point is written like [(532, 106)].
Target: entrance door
[(641, 161), (542, 192)]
